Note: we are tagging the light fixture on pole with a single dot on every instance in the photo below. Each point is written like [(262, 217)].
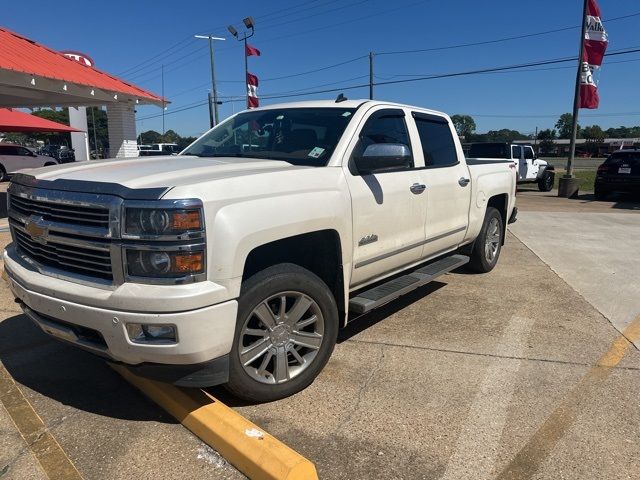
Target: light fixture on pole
[(250, 26), (213, 77)]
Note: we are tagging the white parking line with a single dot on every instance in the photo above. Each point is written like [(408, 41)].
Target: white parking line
[(478, 442)]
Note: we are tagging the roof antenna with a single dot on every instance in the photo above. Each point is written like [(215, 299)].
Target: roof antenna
[(341, 98)]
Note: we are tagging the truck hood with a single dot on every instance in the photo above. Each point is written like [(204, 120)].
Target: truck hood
[(160, 171)]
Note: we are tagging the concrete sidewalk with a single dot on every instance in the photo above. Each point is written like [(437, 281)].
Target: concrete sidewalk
[(590, 245)]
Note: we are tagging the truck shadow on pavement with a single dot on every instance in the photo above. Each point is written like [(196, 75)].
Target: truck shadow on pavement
[(68, 375), (85, 382)]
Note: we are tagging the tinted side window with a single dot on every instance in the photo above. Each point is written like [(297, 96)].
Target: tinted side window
[(8, 150), (516, 152), (437, 143), (528, 152), (384, 126)]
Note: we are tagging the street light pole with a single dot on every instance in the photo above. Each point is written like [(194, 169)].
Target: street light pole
[(250, 25), (213, 76)]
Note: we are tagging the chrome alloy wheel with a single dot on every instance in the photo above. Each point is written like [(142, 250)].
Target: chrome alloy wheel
[(492, 240), (281, 337)]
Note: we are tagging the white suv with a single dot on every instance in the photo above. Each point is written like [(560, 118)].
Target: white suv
[(16, 157)]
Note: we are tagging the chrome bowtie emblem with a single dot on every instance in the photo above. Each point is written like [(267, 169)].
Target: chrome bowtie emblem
[(36, 230)]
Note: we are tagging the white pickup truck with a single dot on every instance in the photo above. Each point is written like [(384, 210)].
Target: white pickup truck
[(237, 261)]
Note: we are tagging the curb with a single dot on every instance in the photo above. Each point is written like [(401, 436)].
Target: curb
[(250, 449)]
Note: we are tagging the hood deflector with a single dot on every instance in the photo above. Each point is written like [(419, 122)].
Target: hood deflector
[(82, 186)]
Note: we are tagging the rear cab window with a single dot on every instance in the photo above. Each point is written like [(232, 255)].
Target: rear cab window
[(631, 158), (438, 146)]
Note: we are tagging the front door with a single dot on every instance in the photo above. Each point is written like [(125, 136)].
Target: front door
[(517, 155), (388, 208)]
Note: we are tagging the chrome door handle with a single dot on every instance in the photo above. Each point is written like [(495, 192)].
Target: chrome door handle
[(463, 181), (417, 188)]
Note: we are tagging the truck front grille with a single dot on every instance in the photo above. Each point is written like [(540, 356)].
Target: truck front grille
[(60, 212), (85, 261), (66, 234)]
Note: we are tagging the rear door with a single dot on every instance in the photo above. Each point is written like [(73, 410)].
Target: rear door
[(388, 210), (10, 158), (448, 184), (532, 165)]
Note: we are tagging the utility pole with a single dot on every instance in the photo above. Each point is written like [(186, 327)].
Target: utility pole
[(370, 75), (212, 120), (535, 141), (568, 185), (163, 104)]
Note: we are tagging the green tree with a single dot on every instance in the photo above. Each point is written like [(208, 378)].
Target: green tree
[(150, 136), (593, 134), (504, 135), (465, 125), (545, 139), (102, 130), (564, 126)]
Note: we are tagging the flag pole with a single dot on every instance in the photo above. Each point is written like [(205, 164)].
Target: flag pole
[(568, 185)]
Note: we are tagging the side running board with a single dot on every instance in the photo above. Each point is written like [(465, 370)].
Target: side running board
[(369, 299)]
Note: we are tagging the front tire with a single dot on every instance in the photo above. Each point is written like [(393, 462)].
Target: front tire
[(3, 174), (286, 330), (545, 184), (487, 247)]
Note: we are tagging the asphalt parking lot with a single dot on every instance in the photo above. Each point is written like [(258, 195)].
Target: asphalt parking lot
[(516, 374)]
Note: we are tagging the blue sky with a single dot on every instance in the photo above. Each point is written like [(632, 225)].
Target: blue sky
[(296, 37)]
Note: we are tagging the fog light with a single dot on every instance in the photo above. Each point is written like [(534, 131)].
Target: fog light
[(146, 333)]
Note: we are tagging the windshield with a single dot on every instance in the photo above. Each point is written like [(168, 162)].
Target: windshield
[(300, 136), (489, 150)]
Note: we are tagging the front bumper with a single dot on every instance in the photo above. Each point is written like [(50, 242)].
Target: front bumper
[(204, 334)]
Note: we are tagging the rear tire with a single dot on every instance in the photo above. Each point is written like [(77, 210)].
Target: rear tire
[(600, 193), (286, 330), (545, 183), (486, 248)]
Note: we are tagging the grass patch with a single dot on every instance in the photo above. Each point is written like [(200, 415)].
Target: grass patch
[(586, 177)]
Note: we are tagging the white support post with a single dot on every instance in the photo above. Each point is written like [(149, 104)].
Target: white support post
[(79, 140), (121, 121)]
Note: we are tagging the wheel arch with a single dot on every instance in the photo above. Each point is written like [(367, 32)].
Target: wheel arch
[(319, 251), (501, 203)]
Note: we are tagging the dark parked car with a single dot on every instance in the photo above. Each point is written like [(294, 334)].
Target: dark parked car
[(619, 173), (62, 153)]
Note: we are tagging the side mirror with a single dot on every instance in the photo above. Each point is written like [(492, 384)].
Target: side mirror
[(382, 157)]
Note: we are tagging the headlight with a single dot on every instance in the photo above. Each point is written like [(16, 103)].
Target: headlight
[(162, 221), (164, 263)]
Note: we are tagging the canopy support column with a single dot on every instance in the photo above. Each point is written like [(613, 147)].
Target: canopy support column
[(121, 121)]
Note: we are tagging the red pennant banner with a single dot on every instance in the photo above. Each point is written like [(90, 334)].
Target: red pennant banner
[(252, 91), (595, 46), (250, 50)]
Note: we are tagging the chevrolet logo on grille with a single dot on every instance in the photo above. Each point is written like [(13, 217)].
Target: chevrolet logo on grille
[(36, 230)]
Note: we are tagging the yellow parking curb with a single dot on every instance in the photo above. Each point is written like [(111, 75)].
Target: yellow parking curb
[(243, 444)]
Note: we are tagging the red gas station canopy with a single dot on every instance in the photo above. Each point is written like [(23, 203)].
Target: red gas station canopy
[(16, 121)]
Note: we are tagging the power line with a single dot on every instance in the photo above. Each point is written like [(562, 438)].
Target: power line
[(190, 37), (145, 65), (420, 78), (499, 40), (332, 25)]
